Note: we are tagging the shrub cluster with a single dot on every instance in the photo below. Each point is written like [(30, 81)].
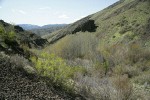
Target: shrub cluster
[(80, 45), (7, 35), (56, 69)]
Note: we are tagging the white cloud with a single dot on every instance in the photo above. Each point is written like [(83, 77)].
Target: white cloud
[(63, 16), (19, 11), (56, 13), (45, 8), (22, 12), (0, 7), (13, 10)]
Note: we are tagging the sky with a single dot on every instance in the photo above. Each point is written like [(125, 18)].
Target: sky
[(42, 12)]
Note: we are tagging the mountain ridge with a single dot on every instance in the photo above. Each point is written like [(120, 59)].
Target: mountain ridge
[(42, 30), (32, 27)]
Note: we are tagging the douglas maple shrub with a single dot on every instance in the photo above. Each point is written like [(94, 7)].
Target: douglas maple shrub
[(56, 69)]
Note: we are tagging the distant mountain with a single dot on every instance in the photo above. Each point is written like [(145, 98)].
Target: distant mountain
[(53, 25), (28, 26), (47, 29), (42, 30)]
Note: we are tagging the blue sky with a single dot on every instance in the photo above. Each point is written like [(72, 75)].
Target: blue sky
[(42, 12)]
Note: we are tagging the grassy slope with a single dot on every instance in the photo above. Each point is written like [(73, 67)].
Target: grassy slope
[(109, 26), (119, 27), (122, 23), (110, 19), (123, 35)]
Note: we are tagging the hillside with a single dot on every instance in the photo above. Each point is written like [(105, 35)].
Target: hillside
[(122, 18), (20, 81), (113, 45), (18, 77), (104, 56)]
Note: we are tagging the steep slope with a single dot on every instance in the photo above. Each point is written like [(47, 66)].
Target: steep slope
[(121, 29), (85, 24), (113, 44), (125, 22), (126, 18), (19, 80)]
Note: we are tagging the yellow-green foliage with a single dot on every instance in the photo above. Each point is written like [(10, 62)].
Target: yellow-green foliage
[(56, 69), (2, 31), (9, 35)]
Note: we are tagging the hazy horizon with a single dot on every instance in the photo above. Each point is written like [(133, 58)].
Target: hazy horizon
[(43, 12)]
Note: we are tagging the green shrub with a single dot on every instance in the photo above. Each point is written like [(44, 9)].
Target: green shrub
[(56, 69), (2, 31), (7, 35), (80, 45), (11, 35)]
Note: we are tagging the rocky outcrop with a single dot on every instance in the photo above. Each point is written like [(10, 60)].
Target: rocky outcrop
[(83, 25)]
